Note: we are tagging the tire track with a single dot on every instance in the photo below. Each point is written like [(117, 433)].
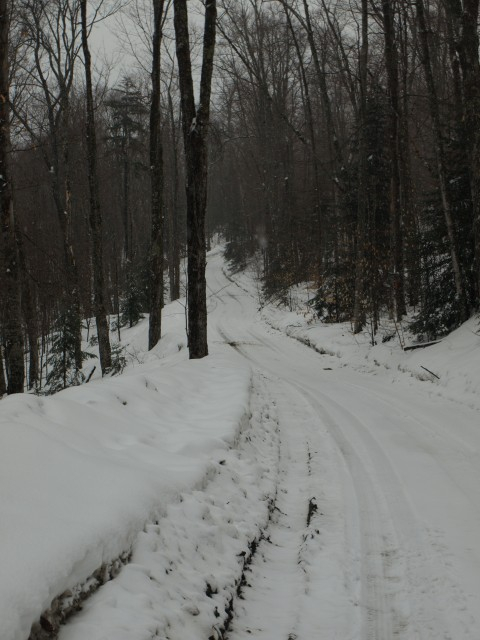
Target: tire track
[(279, 598)]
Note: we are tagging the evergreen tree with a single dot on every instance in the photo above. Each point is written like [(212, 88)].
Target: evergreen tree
[(135, 298), (62, 371)]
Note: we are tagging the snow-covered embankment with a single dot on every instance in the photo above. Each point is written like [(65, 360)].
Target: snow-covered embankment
[(84, 472)]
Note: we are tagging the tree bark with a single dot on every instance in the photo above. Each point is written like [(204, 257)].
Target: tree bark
[(174, 232), (95, 216), (407, 203), (396, 151), (360, 258), (156, 173), (3, 382), (13, 320), (29, 311), (195, 126)]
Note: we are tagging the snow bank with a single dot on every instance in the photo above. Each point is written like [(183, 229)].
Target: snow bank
[(452, 366), (82, 472), (185, 569)]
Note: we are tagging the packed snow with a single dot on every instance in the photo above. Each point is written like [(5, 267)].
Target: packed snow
[(299, 482)]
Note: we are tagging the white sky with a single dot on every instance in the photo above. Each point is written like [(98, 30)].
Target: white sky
[(121, 43)]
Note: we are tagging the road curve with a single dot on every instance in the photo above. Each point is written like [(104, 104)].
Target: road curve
[(391, 549)]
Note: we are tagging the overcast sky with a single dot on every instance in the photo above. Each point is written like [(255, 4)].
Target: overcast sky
[(113, 39)]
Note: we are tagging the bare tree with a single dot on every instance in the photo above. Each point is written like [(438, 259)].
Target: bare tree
[(52, 39), (174, 243), (156, 172), (13, 318), (362, 207), (96, 224), (195, 127), (397, 151)]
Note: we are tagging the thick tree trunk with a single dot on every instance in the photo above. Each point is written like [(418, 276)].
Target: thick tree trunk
[(396, 150), (156, 173), (95, 212), (13, 334), (407, 203), (195, 126)]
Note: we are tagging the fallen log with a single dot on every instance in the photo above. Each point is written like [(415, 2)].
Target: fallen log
[(421, 345)]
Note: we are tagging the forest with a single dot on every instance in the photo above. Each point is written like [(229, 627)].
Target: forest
[(340, 140)]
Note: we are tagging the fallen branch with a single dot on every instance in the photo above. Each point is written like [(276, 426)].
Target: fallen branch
[(421, 345), (433, 374)]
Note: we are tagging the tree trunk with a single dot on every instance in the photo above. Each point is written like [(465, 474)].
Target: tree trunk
[(126, 215), (156, 173), (407, 203), (174, 232), (13, 319), (71, 293), (396, 150), (360, 258), (195, 126), (95, 216), (29, 312), (3, 382), (326, 101), (313, 143)]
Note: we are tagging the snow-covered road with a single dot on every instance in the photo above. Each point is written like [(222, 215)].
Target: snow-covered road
[(393, 547), (265, 492)]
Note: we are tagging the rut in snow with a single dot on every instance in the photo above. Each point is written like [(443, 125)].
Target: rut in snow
[(269, 603)]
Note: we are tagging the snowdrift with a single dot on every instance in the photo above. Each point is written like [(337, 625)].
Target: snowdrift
[(82, 472)]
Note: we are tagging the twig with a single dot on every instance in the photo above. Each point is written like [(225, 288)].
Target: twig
[(433, 374)]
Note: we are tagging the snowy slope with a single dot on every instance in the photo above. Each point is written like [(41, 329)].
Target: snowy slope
[(451, 367), (83, 471), (187, 566)]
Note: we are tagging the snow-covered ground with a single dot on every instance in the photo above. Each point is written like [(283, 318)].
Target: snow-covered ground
[(273, 489), (451, 365), (84, 471)]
